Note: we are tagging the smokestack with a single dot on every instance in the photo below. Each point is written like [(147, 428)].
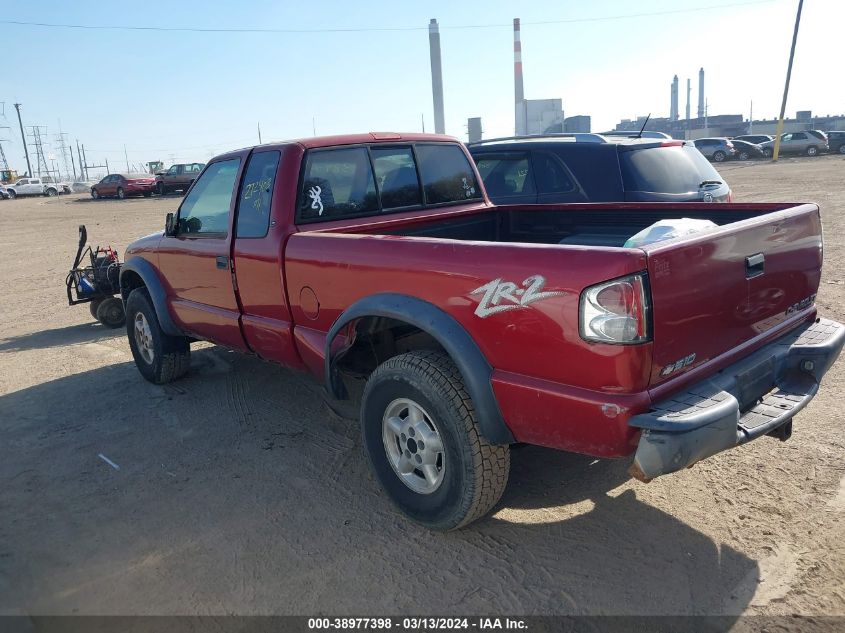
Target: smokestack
[(689, 96), (436, 76), (673, 110), (519, 96), (701, 94)]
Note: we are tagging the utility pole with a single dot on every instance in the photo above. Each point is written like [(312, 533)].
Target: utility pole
[(422, 120), (23, 140), (85, 159), (126, 156), (751, 118), (72, 164), (259, 132), (786, 86)]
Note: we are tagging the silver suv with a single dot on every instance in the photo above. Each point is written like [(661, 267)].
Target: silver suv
[(716, 149), (809, 142)]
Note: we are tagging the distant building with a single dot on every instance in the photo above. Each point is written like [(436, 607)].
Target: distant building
[(474, 129), (540, 114), (578, 123)]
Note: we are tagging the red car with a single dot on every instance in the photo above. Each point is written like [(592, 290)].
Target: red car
[(123, 185), (455, 327)]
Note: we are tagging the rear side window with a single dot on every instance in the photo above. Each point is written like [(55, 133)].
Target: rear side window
[(396, 175), (675, 169), (505, 174), (257, 194), (551, 175), (206, 207), (446, 174), (338, 182)]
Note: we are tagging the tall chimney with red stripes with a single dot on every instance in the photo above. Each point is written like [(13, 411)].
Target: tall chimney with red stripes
[(436, 76), (521, 125)]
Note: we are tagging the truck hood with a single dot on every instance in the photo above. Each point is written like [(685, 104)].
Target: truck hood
[(146, 244)]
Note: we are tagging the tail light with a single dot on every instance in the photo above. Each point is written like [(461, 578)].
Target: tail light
[(617, 311)]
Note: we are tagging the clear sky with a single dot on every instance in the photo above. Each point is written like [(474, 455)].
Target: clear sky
[(186, 96)]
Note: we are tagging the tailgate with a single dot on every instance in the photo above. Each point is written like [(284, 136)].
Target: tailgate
[(715, 291)]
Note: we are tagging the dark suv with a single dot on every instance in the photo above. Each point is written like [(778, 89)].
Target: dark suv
[(836, 141), (548, 169), (178, 178)]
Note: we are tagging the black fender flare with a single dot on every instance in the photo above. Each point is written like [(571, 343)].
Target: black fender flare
[(148, 275), (465, 353)]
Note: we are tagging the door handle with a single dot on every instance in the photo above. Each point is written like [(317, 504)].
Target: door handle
[(754, 265), (223, 262)]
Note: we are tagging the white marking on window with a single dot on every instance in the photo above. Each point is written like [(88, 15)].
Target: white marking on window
[(316, 201)]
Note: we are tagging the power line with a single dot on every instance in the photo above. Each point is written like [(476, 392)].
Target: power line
[(175, 29)]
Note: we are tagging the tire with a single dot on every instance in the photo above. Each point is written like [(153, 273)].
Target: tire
[(93, 307), (744, 156), (95, 194), (51, 192), (160, 190), (110, 312), (768, 152), (812, 150), (464, 479), (159, 357), (841, 151), (147, 194), (12, 194), (719, 156), (121, 193)]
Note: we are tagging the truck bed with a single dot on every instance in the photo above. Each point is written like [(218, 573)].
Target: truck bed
[(571, 224)]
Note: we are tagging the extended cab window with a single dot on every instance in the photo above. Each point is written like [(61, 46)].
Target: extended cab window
[(446, 174), (506, 173), (206, 207), (551, 175), (396, 175), (337, 183), (256, 195)]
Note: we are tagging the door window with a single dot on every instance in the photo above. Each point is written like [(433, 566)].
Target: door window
[(173, 170), (205, 209), (256, 195), (446, 174), (396, 175), (506, 174)]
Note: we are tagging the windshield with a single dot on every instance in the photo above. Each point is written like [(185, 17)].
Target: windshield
[(677, 169)]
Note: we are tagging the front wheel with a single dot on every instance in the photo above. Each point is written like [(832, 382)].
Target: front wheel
[(147, 194), (812, 150), (51, 192), (744, 156), (95, 194), (424, 444), (160, 190), (719, 156), (160, 358), (768, 152), (121, 193), (12, 194), (841, 151)]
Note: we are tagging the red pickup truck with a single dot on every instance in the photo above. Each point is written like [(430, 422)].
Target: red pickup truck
[(377, 263)]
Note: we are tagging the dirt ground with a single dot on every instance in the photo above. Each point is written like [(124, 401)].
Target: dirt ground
[(238, 492)]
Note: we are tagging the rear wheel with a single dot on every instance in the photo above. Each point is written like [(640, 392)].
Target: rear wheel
[(51, 192), (110, 312), (719, 156), (744, 156), (841, 151), (121, 193), (95, 194), (423, 442), (160, 358), (812, 150)]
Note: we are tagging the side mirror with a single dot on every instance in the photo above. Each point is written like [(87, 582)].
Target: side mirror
[(170, 225)]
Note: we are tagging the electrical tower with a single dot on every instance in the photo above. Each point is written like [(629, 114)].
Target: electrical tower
[(37, 143), (60, 142)]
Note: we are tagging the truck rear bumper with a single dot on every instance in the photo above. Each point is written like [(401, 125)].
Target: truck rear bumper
[(755, 396)]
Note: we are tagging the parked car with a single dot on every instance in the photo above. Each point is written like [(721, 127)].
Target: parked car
[(33, 187), (716, 149), (746, 151), (377, 263), (754, 138), (4, 193), (836, 141), (123, 185), (805, 142), (178, 177), (560, 169), (61, 186), (82, 186)]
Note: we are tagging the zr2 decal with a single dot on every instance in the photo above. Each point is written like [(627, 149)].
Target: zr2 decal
[(501, 296)]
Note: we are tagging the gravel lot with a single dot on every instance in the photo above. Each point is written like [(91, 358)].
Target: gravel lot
[(238, 492)]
